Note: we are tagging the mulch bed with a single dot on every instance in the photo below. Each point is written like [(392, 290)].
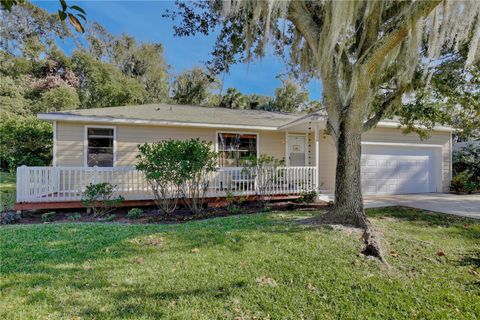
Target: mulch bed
[(153, 215)]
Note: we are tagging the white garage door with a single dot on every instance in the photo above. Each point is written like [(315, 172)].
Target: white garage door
[(398, 170)]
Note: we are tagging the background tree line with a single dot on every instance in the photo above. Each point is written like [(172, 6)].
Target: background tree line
[(102, 70)]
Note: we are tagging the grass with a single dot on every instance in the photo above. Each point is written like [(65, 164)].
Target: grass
[(7, 190), (262, 266)]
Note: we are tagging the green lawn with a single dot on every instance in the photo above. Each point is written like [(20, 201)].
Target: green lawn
[(7, 190), (263, 266)]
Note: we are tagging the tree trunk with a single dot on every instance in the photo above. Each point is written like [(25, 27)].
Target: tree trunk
[(348, 205)]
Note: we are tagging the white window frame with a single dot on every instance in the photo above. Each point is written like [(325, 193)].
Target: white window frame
[(287, 151), (237, 132), (85, 143)]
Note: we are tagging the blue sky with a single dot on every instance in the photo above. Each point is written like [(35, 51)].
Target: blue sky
[(143, 20)]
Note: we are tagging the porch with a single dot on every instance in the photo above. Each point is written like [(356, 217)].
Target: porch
[(52, 186)]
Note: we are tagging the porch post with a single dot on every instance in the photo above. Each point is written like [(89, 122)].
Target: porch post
[(54, 149), (317, 159), (287, 160)]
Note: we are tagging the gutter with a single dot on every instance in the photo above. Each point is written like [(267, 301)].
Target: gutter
[(305, 119), (110, 120)]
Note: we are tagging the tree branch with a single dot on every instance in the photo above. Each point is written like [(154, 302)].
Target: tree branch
[(389, 105), (371, 59), (333, 103), (301, 18), (372, 26)]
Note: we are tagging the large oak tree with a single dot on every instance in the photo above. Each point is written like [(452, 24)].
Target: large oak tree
[(365, 52)]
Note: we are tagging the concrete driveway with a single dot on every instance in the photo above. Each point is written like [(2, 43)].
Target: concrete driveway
[(462, 205)]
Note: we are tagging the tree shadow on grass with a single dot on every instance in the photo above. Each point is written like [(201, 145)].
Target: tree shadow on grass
[(35, 248), (451, 225), (142, 303), (418, 215), (471, 258)]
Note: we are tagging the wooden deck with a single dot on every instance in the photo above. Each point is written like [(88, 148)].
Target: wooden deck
[(211, 202), (44, 188)]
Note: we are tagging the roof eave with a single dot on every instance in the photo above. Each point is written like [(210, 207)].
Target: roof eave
[(396, 125), (302, 120), (112, 120)]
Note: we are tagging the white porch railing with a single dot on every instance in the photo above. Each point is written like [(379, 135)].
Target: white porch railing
[(53, 184)]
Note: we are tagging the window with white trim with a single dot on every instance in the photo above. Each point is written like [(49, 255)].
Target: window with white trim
[(100, 147), (235, 148)]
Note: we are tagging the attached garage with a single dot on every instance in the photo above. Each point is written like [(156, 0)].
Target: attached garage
[(401, 169)]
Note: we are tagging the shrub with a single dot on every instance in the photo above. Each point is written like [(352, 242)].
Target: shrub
[(234, 204), (264, 172), (49, 216), (160, 162), (9, 217), (135, 213), (100, 198), (198, 161), (232, 200), (74, 216), (463, 182), (467, 160), (178, 168), (307, 196)]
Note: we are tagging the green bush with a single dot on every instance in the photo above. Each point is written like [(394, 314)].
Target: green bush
[(466, 168), (25, 141), (160, 162), (74, 216), (464, 182), (264, 171), (176, 169), (234, 204), (49, 216), (307, 197), (9, 217), (197, 162), (100, 198), (135, 213)]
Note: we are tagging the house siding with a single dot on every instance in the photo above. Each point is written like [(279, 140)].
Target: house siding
[(70, 140), (70, 145)]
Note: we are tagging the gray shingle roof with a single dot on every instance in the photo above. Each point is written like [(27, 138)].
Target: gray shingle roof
[(189, 114)]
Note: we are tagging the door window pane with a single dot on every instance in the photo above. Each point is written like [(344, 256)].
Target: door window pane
[(100, 147), (235, 148)]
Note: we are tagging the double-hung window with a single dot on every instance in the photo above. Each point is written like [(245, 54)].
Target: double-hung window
[(100, 143), (235, 148)]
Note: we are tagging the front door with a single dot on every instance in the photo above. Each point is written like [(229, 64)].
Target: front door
[(296, 151)]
